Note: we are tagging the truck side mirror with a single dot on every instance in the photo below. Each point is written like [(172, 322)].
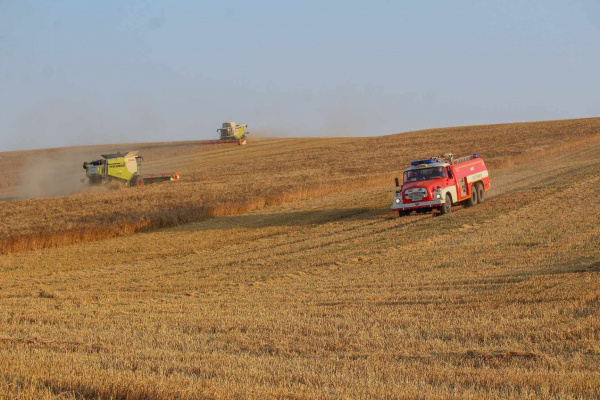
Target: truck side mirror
[(450, 173), (397, 182)]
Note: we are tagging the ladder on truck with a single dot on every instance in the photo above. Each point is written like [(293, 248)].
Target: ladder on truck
[(454, 161)]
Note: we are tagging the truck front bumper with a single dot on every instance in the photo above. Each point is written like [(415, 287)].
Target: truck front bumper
[(416, 205)]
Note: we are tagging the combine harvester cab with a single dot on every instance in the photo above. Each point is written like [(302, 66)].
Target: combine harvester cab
[(440, 182), (124, 169)]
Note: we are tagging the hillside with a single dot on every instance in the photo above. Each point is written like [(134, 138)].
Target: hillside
[(304, 285), (227, 180)]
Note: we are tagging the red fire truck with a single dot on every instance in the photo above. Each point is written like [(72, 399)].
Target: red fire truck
[(440, 182)]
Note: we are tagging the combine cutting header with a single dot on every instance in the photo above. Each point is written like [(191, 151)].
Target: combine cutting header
[(122, 168)]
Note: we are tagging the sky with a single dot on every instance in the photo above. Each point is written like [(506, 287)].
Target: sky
[(78, 72)]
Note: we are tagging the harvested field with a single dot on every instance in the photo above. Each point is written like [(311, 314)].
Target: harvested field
[(323, 293), (228, 180)]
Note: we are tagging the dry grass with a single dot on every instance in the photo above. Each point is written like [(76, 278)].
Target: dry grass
[(332, 297), (228, 180)]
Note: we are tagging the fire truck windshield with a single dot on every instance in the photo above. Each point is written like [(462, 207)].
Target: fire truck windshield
[(424, 174)]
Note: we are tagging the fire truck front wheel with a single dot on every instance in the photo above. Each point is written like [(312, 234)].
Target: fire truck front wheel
[(402, 213), (447, 206)]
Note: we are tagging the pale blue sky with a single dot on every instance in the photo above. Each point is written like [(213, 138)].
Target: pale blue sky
[(83, 72)]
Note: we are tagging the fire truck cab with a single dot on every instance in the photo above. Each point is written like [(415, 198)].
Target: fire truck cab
[(440, 182)]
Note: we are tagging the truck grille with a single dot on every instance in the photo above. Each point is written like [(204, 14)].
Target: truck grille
[(416, 194)]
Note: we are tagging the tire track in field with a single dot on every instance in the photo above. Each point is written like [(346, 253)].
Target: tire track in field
[(329, 235), (529, 180), (514, 179), (375, 230), (352, 232), (247, 255)]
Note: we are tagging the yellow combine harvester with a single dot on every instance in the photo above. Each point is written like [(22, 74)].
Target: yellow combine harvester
[(229, 132), (122, 168)]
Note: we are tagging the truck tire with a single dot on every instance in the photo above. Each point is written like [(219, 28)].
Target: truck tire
[(480, 193), (447, 206), (403, 213), (471, 201)]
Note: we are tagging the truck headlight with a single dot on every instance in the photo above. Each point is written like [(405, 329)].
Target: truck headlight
[(438, 196), (398, 201)]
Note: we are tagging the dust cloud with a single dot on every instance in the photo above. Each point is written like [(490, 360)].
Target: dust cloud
[(53, 175)]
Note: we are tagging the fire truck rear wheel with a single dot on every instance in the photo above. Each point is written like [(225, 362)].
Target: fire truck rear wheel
[(471, 201), (480, 193), (447, 206)]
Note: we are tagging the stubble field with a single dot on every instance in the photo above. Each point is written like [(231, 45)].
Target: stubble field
[(326, 297), (225, 180)]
